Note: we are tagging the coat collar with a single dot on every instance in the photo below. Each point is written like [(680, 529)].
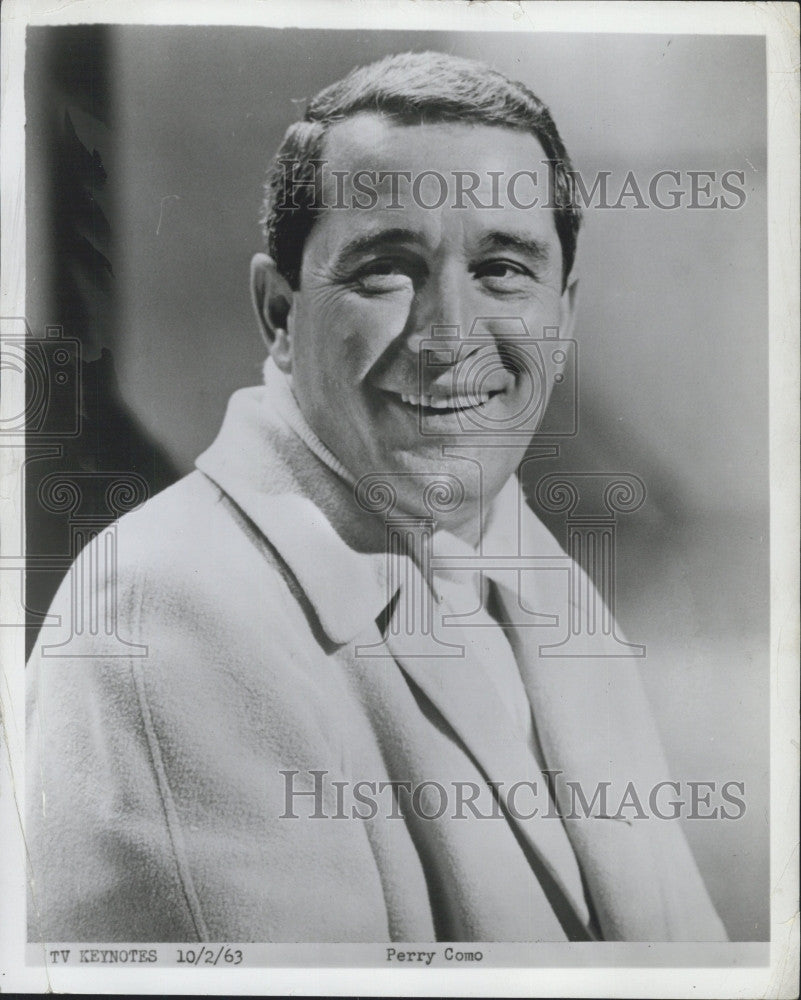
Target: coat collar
[(305, 510)]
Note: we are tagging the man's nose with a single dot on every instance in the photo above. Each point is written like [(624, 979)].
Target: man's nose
[(441, 318)]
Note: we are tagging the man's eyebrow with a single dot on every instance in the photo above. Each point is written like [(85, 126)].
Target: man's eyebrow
[(375, 239), (537, 250)]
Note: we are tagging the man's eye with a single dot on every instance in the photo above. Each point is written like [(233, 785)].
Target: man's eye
[(384, 276), (504, 275)]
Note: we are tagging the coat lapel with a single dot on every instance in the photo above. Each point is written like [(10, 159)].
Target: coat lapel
[(462, 692), (595, 729)]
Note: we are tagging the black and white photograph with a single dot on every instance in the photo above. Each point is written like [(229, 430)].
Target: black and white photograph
[(399, 433)]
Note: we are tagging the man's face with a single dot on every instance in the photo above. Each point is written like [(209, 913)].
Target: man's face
[(377, 283)]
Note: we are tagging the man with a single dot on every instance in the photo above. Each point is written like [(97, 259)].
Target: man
[(319, 708)]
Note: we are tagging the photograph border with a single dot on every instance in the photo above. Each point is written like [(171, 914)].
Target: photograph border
[(697, 969)]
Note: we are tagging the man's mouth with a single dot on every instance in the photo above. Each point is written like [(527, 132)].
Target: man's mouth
[(437, 404)]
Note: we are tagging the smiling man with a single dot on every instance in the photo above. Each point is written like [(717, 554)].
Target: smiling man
[(320, 709), (375, 284)]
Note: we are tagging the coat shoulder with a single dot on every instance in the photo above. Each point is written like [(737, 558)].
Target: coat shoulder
[(192, 537), (185, 567)]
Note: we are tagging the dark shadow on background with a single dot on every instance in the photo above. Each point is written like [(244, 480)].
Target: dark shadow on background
[(70, 255)]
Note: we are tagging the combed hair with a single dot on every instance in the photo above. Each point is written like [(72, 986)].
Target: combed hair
[(410, 88)]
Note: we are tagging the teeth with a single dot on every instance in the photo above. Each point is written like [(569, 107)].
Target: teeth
[(445, 403)]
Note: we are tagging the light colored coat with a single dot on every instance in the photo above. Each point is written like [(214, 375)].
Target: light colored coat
[(155, 785)]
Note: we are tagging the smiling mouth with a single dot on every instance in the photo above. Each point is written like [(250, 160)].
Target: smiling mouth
[(436, 405)]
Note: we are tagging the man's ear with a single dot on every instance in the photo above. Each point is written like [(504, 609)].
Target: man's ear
[(272, 300), (567, 308)]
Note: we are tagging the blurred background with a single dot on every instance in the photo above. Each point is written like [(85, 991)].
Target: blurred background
[(146, 150)]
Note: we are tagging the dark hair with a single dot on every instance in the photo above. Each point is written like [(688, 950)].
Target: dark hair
[(409, 88)]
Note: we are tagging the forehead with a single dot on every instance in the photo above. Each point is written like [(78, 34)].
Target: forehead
[(375, 141), (491, 175)]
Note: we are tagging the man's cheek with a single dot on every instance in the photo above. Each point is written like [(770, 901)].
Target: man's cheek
[(367, 329)]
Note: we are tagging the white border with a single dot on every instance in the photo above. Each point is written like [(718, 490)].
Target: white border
[(644, 16), (779, 22)]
